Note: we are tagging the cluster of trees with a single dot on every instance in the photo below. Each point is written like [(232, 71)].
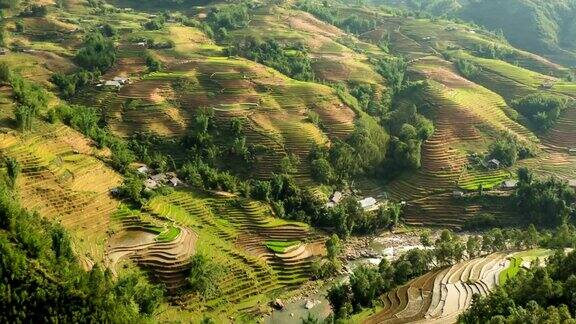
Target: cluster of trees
[(289, 60), (87, 120), (69, 84), (205, 275), (542, 109), (363, 152), (153, 64), (542, 294), (368, 283), (325, 11), (156, 23), (409, 130), (30, 98), (42, 280), (97, 53), (494, 51), (508, 149), (34, 10), (330, 265), (371, 99), (223, 19), (548, 202), (467, 68)]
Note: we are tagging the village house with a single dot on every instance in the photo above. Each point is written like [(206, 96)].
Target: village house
[(143, 170), (121, 80), (113, 84), (175, 182), (494, 164), (368, 204), (159, 178), (150, 184), (572, 151), (509, 184), (3, 51), (335, 199), (457, 193)]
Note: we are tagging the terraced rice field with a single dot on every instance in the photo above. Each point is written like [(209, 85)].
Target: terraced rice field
[(562, 136), (440, 296), (461, 111), (63, 180), (234, 232), (165, 251), (273, 106)]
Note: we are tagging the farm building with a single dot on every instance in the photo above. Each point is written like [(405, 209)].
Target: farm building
[(509, 184), (175, 182), (113, 84), (143, 169), (494, 164), (368, 203), (150, 184), (336, 197), (457, 194), (160, 177), (121, 80)]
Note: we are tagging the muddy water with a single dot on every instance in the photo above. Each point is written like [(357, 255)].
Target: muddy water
[(131, 238)]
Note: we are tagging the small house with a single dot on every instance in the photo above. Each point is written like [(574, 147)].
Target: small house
[(3, 51), (142, 44), (160, 177), (143, 169), (509, 184), (572, 151), (494, 164), (547, 85), (150, 184), (120, 80), (572, 183), (368, 203), (457, 194), (330, 204), (175, 182), (336, 197), (113, 84)]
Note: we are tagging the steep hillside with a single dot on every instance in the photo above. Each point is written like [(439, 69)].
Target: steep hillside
[(543, 27)]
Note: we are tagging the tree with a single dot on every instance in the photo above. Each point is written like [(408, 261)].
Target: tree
[(333, 246), (340, 298), (473, 246), (310, 320), (204, 276), (5, 73), (365, 283), (12, 170)]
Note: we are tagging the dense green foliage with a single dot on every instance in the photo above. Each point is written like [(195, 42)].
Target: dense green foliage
[(542, 109), (548, 202), (69, 84), (204, 276), (543, 294), (97, 53), (289, 60), (468, 69), (356, 24), (42, 281), (508, 149)]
